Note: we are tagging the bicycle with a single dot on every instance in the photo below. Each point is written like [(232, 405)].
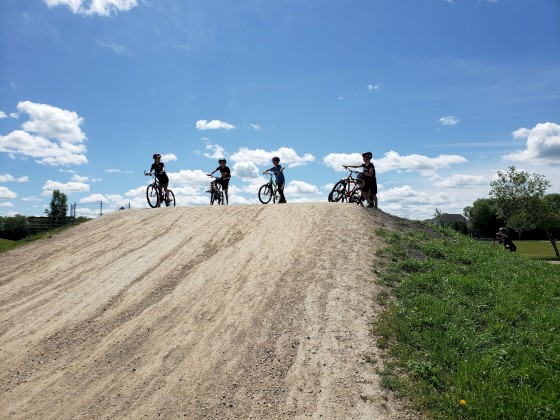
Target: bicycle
[(155, 194), (348, 189), (216, 194), (268, 191)]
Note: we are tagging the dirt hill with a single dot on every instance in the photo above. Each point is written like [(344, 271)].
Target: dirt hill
[(195, 312)]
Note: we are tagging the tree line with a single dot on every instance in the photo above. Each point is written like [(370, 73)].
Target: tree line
[(518, 201), (17, 227)]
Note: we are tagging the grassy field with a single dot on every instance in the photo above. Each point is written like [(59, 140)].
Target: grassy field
[(5, 244), (470, 331), (542, 250)]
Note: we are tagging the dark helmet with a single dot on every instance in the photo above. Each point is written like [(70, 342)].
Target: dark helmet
[(367, 155), (222, 160), (276, 159), (156, 155)]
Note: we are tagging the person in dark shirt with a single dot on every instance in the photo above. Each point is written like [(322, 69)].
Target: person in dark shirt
[(278, 172), (223, 180), (369, 189), (158, 168)]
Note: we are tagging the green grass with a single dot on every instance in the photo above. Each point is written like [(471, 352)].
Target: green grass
[(469, 321), (537, 249), (5, 244)]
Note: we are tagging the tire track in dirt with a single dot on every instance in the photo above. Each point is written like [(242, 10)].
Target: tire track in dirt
[(202, 312)]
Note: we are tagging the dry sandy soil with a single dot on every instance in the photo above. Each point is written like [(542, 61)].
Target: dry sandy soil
[(196, 312)]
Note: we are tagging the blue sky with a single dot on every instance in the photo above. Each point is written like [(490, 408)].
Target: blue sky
[(444, 93)]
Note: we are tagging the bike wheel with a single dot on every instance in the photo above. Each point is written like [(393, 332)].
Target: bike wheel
[(152, 195), (171, 201), (356, 197), (265, 194), (338, 192)]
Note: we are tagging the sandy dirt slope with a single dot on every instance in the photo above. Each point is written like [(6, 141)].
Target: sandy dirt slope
[(196, 312)]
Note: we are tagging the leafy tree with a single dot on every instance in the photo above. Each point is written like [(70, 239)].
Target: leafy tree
[(483, 217), (59, 205), (14, 228), (521, 202)]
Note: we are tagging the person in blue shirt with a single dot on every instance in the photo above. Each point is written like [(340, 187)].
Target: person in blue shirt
[(278, 172)]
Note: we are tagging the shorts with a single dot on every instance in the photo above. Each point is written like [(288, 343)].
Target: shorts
[(223, 182), (370, 187), (163, 179)]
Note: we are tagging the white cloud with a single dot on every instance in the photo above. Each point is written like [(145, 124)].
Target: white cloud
[(287, 155), (7, 193), (58, 139), (372, 87), (116, 48), (78, 178), (11, 178), (118, 171), (300, 187), (6, 204), (246, 171), (217, 151), (168, 157), (449, 120), (543, 144), (416, 163), (3, 115), (462, 181), (68, 188), (94, 7), (336, 160), (213, 125)]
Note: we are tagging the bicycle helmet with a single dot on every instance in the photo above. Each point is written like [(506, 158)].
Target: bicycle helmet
[(276, 159), (367, 155), (156, 155), (222, 160)]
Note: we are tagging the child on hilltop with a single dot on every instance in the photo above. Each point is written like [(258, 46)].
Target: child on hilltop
[(369, 189), (158, 168), (223, 180), (278, 172)]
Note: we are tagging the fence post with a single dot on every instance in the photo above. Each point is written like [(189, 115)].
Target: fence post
[(101, 208)]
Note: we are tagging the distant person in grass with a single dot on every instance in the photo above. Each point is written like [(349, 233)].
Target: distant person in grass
[(502, 237), (369, 188)]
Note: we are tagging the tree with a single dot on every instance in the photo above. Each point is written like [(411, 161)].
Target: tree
[(58, 206), (521, 202), (14, 228), (483, 217)]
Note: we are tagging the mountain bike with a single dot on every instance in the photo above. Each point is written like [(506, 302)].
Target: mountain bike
[(155, 190), (268, 191), (348, 189), (216, 193)]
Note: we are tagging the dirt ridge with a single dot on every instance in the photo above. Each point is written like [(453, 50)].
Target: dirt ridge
[(195, 312)]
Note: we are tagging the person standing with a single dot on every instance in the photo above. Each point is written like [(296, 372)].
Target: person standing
[(223, 180), (278, 172), (369, 189)]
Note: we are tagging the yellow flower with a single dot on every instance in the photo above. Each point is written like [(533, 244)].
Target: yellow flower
[(463, 402)]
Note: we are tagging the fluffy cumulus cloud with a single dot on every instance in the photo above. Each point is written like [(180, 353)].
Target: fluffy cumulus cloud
[(287, 155), (246, 171), (94, 7), (6, 193), (461, 181), (336, 160), (213, 125), (67, 188), (52, 136), (407, 202), (542, 144), (425, 165), (11, 178), (215, 151), (301, 188), (392, 161)]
